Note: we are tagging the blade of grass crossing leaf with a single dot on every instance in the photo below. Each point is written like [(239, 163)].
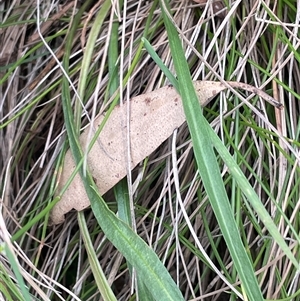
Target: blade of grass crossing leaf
[(135, 250), (121, 189), (208, 166)]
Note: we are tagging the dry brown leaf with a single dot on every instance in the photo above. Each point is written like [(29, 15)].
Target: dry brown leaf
[(153, 118)]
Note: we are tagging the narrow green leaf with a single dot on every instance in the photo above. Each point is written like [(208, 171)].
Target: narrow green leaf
[(207, 164), (15, 267), (89, 49), (159, 62), (103, 286)]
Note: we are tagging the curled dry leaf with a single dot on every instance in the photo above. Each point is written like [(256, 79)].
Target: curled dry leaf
[(153, 118)]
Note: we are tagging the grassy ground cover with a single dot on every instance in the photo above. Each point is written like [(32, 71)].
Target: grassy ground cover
[(216, 221)]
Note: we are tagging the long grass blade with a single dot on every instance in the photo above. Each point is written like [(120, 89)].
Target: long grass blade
[(102, 283), (207, 164)]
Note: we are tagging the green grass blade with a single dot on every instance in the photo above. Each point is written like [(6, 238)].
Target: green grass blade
[(159, 62), (103, 286), (122, 197), (89, 49), (208, 166), (15, 267), (8, 287)]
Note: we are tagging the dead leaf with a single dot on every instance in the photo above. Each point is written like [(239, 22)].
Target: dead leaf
[(153, 118)]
